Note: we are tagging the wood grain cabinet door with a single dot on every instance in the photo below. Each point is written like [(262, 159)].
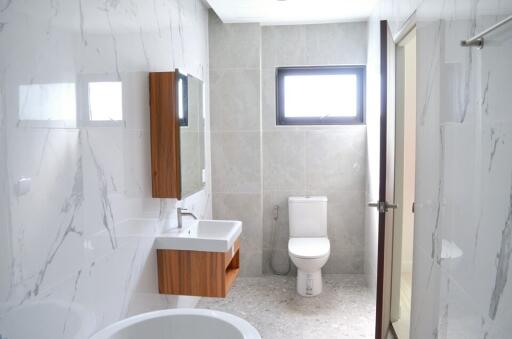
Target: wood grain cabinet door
[(165, 135)]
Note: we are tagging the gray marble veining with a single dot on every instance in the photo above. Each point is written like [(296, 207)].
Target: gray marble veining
[(6, 5), (463, 167), (76, 245), (70, 209), (504, 255), (108, 216)]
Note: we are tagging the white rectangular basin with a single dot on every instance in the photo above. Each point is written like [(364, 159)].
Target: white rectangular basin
[(202, 235)]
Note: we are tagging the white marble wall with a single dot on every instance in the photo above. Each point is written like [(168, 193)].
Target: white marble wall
[(463, 226), (76, 249)]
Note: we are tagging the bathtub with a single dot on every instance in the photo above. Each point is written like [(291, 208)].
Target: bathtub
[(53, 319), (180, 323)]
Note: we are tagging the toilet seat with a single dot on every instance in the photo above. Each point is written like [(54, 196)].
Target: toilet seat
[(309, 248)]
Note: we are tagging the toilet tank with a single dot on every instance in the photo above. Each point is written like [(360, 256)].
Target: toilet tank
[(307, 216)]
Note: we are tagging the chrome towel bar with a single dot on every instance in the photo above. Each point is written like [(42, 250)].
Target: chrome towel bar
[(478, 40)]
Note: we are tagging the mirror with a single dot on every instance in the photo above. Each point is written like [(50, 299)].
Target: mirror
[(191, 116)]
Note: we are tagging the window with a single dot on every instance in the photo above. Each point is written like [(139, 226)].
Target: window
[(322, 95), (105, 101)]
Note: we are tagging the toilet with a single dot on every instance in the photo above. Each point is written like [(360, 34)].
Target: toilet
[(308, 247)]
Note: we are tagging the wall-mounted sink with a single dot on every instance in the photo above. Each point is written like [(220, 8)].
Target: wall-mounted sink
[(202, 235)]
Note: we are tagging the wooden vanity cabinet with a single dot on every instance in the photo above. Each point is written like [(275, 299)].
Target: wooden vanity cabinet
[(197, 273)]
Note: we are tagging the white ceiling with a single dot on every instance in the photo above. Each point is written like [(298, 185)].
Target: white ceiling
[(275, 12)]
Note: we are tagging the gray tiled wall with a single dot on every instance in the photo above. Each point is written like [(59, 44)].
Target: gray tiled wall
[(236, 137), (257, 165), (313, 160)]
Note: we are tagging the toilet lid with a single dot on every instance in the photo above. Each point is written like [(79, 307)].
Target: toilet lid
[(309, 248)]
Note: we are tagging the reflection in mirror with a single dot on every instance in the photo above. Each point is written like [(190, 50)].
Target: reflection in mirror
[(192, 138), (183, 99)]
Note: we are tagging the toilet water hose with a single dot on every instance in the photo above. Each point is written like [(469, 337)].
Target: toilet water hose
[(275, 217)]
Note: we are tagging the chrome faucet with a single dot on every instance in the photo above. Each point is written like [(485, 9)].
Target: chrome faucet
[(181, 213)]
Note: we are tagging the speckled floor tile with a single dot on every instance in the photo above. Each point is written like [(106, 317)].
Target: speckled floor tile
[(345, 309)]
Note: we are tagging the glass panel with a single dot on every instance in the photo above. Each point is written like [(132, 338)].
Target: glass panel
[(105, 101), (320, 95), (192, 150)]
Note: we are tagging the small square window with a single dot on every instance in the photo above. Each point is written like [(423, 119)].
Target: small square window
[(105, 101), (320, 95)]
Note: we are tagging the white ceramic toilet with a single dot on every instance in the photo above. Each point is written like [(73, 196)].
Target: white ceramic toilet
[(308, 247)]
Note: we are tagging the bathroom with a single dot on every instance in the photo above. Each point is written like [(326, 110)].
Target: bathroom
[(98, 231)]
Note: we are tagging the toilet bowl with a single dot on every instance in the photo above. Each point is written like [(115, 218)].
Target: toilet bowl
[(309, 255), (308, 246)]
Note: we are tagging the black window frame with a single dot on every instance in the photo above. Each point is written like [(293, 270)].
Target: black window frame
[(358, 70)]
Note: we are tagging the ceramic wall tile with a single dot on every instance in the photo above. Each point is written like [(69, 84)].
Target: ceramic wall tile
[(464, 178), (77, 218), (283, 46), (336, 44), (246, 208), (306, 45), (268, 102), (312, 160), (236, 138), (345, 262), (280, 261), (284, 160), (253, 263), (234, 100), (275, 219), (455, 121), (236, 45), (340, 163), (290, 154), (236, 162)]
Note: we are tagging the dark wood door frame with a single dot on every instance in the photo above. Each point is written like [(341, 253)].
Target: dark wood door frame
[(380, 302)]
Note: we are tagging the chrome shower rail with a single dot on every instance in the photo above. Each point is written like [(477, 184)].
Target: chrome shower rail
[(478, 40)]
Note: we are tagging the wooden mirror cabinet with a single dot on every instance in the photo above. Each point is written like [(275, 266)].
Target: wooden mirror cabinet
[(177, 134)]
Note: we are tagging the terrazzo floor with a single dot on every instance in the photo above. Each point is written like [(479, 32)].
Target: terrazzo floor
[(345, 309)]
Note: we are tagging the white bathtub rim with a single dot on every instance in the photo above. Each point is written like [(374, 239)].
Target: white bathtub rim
[(248, 331)]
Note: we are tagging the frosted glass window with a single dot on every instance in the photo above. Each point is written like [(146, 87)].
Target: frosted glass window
[(320, 95), (47, 102), (105, 101)]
